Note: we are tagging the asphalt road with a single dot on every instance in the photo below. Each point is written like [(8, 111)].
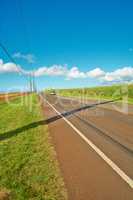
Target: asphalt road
[(94, 148)]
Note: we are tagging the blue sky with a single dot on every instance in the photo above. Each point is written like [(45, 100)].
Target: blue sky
[(86, 34)]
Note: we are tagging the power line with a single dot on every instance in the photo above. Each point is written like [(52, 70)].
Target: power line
[(32, 81), (30, 76), (7, 53), (11, 58)]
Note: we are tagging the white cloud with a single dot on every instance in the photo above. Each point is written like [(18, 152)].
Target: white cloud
[(9, 67), (75, 73), (54, 70), (118, 75), (123, 74), (96, 73), (109, 77), (30, 58)]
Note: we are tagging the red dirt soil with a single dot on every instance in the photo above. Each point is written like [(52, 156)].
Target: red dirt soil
[(4, 97)]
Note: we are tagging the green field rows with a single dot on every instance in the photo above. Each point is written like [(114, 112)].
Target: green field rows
[(103, 92)]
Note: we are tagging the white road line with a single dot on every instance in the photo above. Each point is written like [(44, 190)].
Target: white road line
[(120, 172)]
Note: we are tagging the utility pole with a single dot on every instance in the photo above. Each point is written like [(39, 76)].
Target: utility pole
[(34, 87), (30, 83)]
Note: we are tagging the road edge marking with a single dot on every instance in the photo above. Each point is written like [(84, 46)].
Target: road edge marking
[(120, 172)]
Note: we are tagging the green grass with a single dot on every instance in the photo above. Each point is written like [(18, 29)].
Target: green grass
[(28, 165), (103, 92)]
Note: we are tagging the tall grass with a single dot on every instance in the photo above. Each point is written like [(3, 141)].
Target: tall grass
[(28, 166)]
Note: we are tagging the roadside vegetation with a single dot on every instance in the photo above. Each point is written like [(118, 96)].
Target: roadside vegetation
[(6, 97), (28, 165), (103, 92)]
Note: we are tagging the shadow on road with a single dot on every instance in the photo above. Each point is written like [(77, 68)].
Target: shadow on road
[(15, 132)]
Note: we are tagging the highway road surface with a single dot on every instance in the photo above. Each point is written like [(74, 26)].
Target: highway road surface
[(94, 148)]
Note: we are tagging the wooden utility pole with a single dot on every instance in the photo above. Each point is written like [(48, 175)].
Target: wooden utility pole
[(30, 83)]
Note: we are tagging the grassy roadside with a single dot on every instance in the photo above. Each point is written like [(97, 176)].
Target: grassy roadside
[(100, 93), (28, 168)]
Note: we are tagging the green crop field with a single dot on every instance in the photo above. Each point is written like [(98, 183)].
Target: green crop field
[(103, 92), (28, 165)]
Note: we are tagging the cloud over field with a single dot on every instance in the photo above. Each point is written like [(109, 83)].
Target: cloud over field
[(9, 67), (118, 75), (54, 70), (30, 58), (96, 73), (74, 72)]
